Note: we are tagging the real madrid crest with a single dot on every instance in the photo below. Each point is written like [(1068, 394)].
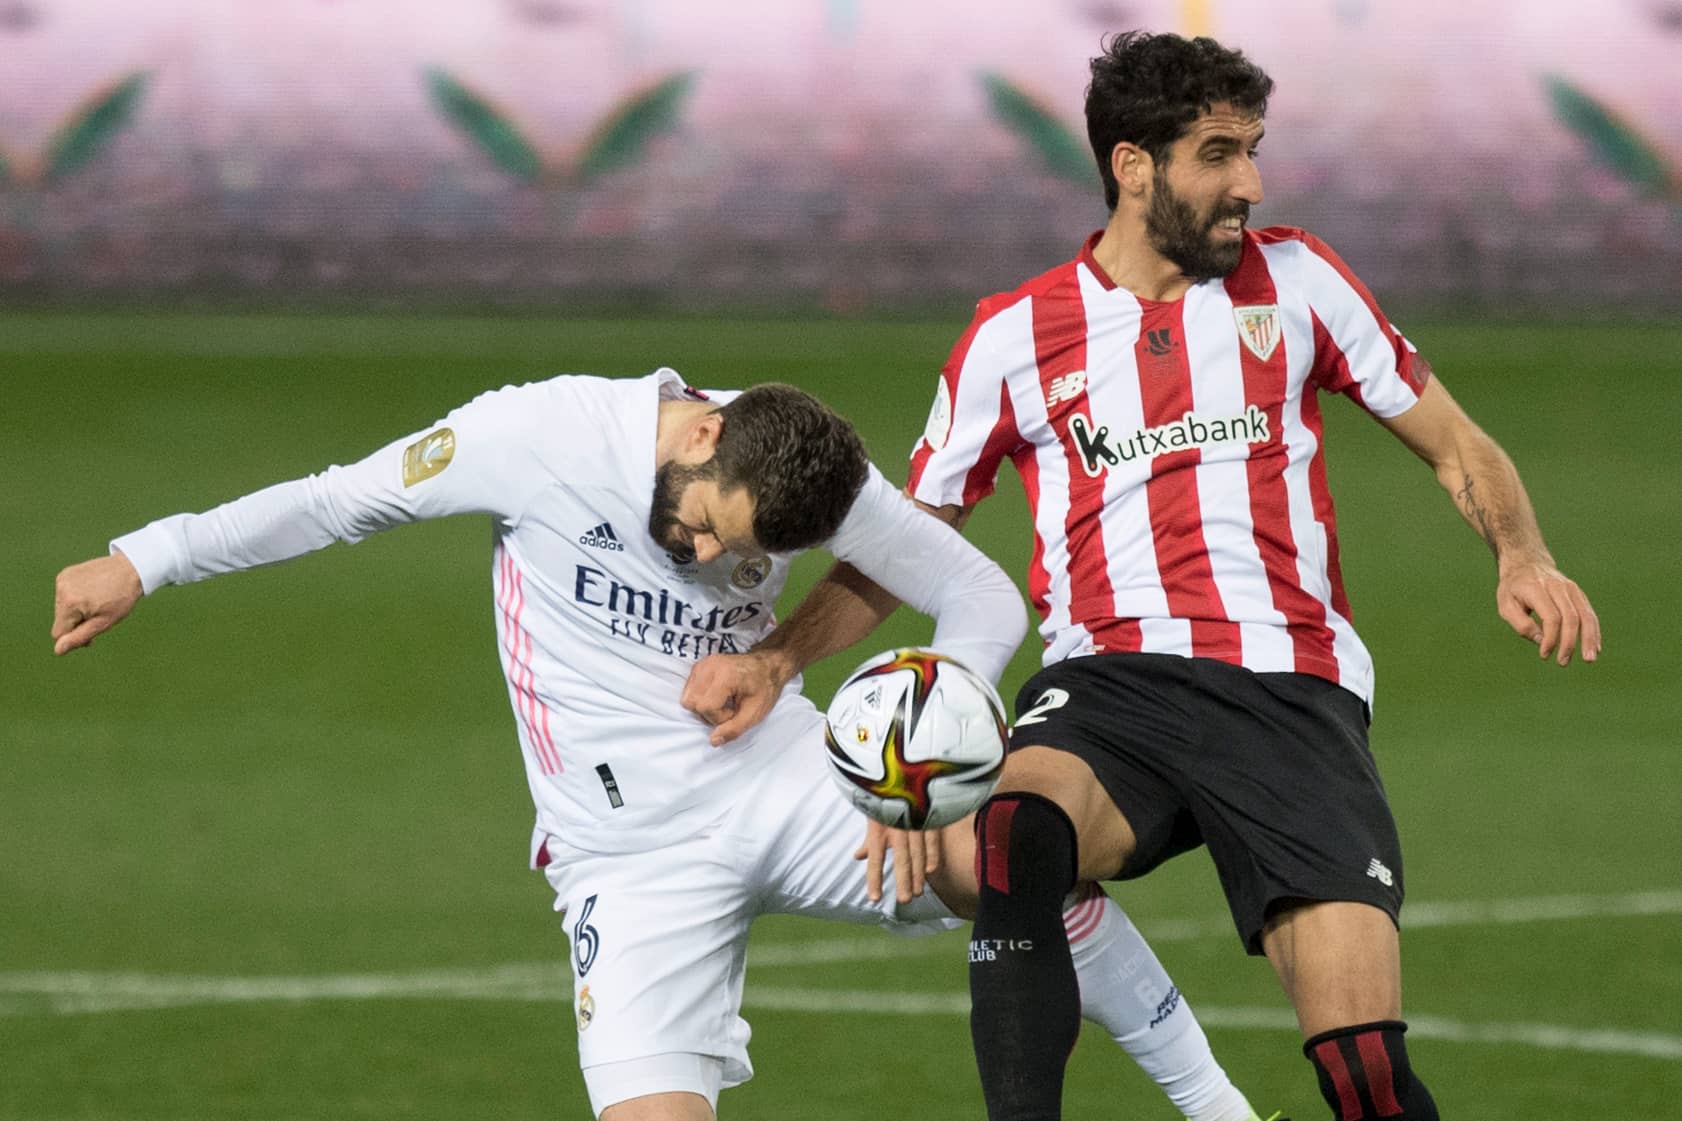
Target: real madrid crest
[(586, 1008), (751, 573)]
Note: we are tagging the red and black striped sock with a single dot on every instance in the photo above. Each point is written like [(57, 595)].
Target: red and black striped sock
[(1024, 999), (1365, 1074)]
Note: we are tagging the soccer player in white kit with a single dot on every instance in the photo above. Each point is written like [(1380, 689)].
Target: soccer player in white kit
[(641, 525)]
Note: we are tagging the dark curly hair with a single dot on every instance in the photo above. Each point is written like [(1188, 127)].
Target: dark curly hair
[(801, 462), (1146, 89)]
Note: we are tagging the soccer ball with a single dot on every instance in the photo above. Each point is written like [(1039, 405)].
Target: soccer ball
[(916, 740)]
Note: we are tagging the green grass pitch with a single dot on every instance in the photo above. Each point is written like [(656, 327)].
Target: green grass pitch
[(308, 773)]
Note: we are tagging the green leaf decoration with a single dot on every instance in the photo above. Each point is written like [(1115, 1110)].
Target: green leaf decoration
[(1060, 150), (492, 130), (622, 135), (92, 124), (1613, 143)]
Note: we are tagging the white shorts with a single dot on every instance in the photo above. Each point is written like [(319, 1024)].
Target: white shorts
[(659, 938)]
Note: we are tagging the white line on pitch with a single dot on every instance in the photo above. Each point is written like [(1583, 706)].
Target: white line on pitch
[(1550, 1037), (144, 990), (23, 994), (62, 993), (58, 993), (1541, 908), (1415, 916)]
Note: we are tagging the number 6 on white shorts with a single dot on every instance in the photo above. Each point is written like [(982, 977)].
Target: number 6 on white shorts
[(585, 940)]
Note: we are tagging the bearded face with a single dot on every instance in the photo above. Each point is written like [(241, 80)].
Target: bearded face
[(670, 481), (1199, 242)]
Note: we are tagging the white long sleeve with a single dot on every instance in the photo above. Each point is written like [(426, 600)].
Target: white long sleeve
[(978, 612), (488, 445)]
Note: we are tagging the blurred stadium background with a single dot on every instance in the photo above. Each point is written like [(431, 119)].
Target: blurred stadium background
[(264, 846)]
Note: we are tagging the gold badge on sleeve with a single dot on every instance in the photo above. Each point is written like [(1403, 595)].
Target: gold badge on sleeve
[(428, 455)]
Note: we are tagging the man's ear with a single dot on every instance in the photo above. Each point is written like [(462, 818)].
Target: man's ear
[(1132, 167), (702, 440)]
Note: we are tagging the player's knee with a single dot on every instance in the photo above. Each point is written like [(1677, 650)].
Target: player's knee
[(1107, 840), (1024, 844), (1365, 1072), (671, 1106), (674, 1086)]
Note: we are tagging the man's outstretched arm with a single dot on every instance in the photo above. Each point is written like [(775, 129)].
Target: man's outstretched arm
[(481, 465), (1536, 599)]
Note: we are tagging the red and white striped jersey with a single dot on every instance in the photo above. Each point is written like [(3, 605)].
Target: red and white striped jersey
[(1171, 452)]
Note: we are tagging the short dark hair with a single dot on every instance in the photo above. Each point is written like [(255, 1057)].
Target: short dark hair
[(800, 461), (1147, 89)]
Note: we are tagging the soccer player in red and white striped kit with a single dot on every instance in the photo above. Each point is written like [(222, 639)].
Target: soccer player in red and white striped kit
[(1203, 685)]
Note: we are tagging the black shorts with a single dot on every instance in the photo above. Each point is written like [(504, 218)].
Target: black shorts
[(1270, 770)]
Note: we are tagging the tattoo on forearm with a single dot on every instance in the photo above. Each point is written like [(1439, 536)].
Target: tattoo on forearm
[(1493, 528), (1474, 512)]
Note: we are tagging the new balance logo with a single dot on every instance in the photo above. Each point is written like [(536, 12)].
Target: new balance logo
[(602, 537), (1066, 387), (1379, 872)]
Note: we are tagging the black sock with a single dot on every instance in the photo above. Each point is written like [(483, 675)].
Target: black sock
[(1024, 1000), (1365, 1074)]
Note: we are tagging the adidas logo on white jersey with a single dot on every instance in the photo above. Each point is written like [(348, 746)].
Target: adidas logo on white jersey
[(602, 537), (1379, 872)]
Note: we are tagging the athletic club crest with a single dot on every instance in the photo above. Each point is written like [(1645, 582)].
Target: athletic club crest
[(1258, 326)]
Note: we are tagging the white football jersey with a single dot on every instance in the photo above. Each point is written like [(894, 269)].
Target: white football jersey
[(598, 625)]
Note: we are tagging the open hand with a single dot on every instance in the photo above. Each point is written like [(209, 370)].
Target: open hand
[(920, 855), (1545, 606)]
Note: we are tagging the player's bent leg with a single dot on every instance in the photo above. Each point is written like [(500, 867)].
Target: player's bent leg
[(797, 835), (661, 1106), (1049, 824), (1340, 964), (1364, 1072), (1024, 999), (1125, 990), (658, 944), (1106, 838)]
